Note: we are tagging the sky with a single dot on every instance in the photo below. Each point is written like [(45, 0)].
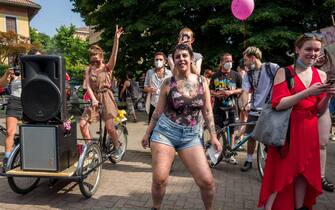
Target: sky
[(53, 14)]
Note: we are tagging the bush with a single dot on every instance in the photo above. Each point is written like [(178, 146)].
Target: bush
[(77, 73), (3, 68)]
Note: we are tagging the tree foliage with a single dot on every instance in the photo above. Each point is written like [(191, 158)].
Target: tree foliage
[(153, 26), (65, 43), (40, 40), (11, 44)]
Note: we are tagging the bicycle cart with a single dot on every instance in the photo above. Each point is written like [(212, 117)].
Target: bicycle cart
[(86, 170)]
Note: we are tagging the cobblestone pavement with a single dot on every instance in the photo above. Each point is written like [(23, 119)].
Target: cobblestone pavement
[(127, 186)]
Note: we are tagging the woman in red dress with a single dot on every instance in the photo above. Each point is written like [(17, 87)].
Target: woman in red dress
[(292, 172)]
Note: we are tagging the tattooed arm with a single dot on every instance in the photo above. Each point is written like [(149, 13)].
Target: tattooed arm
[(207, 112), (158, 111)]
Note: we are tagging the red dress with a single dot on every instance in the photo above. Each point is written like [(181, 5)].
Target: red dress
[(303, 155)]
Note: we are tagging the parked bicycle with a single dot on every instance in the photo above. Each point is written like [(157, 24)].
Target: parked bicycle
[(230, 150)]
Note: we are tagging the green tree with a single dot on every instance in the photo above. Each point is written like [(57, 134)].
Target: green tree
[(72, 48), (154, 25), (40, 40)]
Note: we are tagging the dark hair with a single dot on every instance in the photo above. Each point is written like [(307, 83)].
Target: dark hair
[(162, 54), (225, 54), (129, 75), (33, 51), (182, 47)]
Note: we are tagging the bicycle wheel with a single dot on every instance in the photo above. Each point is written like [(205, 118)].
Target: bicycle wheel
[(20, 185), (90, 170), (122, 134), (261, 157)]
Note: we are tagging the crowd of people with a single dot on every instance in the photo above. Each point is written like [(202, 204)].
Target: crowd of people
[(181, 100)]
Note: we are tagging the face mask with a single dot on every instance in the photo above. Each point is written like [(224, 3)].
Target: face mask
[(228, 65), (253, 66), (159, 64), (302, 64)]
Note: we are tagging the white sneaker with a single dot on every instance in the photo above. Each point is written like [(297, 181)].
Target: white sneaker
[(231, 160)]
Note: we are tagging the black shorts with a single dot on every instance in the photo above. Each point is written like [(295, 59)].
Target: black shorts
[(250, 128), (14, 107), (220, 117)]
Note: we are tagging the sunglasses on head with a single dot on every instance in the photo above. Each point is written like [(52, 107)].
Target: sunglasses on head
[(317, 35)]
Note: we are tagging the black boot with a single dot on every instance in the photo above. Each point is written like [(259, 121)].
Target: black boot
[(327, 185), (302, 208)]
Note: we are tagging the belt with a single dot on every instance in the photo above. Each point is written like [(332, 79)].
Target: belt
[(103, 90)]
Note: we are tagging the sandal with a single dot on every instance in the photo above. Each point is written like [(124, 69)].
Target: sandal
[(327, 185)]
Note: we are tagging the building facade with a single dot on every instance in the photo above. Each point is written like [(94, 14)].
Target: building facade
[(15, 16)]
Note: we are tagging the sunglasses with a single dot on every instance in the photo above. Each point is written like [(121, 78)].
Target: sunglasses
[(317, 35)]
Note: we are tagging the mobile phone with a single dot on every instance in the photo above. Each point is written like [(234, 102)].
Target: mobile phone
[(185, 38)]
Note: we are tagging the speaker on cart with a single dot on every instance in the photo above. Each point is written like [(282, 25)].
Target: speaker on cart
[(46, 148), (43, 88)]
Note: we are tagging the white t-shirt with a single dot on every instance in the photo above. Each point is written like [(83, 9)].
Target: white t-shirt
[(152, 80)]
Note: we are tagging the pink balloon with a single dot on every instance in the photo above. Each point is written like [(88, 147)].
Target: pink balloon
[(242, 9)]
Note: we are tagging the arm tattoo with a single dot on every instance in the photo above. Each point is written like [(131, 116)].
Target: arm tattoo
[(166, 82), (209, 119), (153, 122), (154, 118)]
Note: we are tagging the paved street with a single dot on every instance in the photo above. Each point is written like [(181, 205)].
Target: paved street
[(127, 186)]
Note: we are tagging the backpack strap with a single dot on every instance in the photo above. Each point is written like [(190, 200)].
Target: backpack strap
[(250, 79), (271, 76)]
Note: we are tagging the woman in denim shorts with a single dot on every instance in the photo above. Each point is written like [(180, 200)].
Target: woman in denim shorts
[(175, 127)]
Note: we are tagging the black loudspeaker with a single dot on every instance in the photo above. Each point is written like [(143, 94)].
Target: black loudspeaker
[(43, 88), (46, 148)]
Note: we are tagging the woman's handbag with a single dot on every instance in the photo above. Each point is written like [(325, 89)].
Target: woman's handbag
[(272, 126)]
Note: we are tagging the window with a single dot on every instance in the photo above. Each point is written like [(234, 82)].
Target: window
[(11, 24)]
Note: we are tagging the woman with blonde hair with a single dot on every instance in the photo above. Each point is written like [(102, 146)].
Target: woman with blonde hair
[(186, 36), (292, 173), (98, 81)]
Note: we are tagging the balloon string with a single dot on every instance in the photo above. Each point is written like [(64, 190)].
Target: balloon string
[(244, 35)]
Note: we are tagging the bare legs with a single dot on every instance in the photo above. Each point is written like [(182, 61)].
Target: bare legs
[(11, 123), (84, 125), (324, 125), (162, 157)]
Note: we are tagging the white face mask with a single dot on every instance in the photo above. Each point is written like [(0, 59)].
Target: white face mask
[(228, 65), (253, 66), (159, 64)]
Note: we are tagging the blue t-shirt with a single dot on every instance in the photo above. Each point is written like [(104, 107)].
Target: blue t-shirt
[(261, 87)]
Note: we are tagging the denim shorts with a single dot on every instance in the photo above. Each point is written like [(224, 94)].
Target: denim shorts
[(172, 134)]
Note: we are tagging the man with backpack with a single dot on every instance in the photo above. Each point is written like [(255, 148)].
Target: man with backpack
[(258, 82), (131, 92)]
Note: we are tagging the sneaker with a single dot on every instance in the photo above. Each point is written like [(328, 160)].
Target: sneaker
[(116, 153), (4, 164), (239, 149), (231, 160), (327, 185), (247, 166)]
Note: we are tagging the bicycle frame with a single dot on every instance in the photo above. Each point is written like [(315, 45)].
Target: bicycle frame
[(226, 131)]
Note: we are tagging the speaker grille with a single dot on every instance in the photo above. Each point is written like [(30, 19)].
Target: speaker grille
[(41, 99)]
